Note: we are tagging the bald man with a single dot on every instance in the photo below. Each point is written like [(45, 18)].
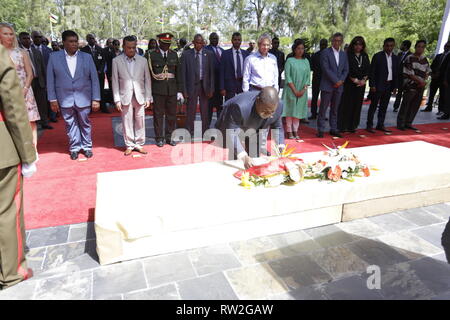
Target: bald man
[(250, 115)]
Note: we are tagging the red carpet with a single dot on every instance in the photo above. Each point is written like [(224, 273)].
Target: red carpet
[(64, 191)]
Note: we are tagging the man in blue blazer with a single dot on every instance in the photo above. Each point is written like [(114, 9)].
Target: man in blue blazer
[(232, 68), (251, 115), (383, 82), (73, 87), (217, 100), (334, 66)]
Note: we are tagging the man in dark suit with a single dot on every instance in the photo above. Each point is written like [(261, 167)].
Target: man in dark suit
[(435, 78), (383, 82), (334, 66), (97, 54), (402, 55), (251, 115), (108, 53), (197, 69), (217, 99), (280, 57), (443, 88), (317, 76), (231, 68), (38, 84), (37, 37)]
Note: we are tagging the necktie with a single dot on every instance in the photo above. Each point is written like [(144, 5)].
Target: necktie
[(197, 66), (165, 57), (238, 66), (217, 53), (32, 61)]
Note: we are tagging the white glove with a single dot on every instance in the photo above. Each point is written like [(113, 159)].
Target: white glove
[(180, 97), (151, 99), (28, 169)]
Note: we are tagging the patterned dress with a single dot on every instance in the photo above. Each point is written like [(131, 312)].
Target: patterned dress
[(30, 101)]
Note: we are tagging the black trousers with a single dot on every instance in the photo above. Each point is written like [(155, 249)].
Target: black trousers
[(380, 101), (412, 98), (443, 98), (40, 95), (349, 112), (445, 241), (217, 102), (434, 86), (315, 95), (164, 107), (197, 96), (398, 98), (101, 80)]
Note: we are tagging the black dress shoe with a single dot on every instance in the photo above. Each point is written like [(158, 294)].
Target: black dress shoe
[(411, 128), (160, 143), (74, 155), (88, 153), (444, 117), (54, 120), (426, 110), (352, 131), (46, 126), (383, 129), (401, 128), (439, 113), (336, 134), (319, 134), (312, 118), (171, 143), (370, 130), (396, 110), (105, 111)]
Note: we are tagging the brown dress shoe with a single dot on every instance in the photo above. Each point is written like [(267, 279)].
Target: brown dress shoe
[(128, 152), (141, 150)]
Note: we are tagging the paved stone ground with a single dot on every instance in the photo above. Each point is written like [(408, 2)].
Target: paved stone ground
[(328, 262)]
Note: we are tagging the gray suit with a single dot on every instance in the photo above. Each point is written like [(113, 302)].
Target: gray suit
[(197, 86), (330, 96)]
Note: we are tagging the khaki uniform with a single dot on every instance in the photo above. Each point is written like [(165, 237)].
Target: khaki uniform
[(165, 92), (16, 145)]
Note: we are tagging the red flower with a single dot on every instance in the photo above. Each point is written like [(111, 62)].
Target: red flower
[(335, 175)]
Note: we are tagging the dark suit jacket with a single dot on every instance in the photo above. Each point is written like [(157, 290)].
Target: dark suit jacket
[(39, 66), (99, 58), (217, 62), (379, 72), (109, 55), (443, 68), (401, 63), (331, 72), (188, 71), (46, 51), (239, 115), (227, 77), (315, 66), (435, 65)]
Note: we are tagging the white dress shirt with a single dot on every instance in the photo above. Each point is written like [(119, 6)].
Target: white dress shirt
[(260, 71), (389, 65), (336, 56), (72, 62), (131, 62), (238, 51)]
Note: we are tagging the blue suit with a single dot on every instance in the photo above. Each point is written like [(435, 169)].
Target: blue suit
[(239, 118), (227, 77), (74, 95), (330, 96)]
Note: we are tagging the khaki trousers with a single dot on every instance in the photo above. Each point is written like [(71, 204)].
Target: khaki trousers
[(133, 121), (13, 267)]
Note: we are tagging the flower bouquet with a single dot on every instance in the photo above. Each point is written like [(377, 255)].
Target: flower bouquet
[(336, 164), (283, 169)]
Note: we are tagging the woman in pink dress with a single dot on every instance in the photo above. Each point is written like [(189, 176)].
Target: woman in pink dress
[(24, 70)]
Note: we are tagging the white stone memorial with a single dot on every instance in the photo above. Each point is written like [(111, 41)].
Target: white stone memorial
[(154, 211)]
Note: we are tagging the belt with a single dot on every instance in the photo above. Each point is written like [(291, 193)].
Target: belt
[(255, 87)]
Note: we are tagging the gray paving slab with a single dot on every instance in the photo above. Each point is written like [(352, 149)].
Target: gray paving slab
[(351, 288), (392, 222), (213, 259), (77, 286), (330, 236), (82, 231), (48, 236), (210, 287), (35, 259), (165, 292), (59, 254), (294, 243), (362, 228), (431, 234), (118, 278), (434, 274), (299, 271), (376, 252), (419, 216), (168, 268), (441, 210), (314, 292), (21, 291)]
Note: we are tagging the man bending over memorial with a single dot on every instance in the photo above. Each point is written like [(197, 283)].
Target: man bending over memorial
[(249, 116)]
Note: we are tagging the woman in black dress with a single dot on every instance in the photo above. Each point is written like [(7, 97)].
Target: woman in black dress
[(354, 87)]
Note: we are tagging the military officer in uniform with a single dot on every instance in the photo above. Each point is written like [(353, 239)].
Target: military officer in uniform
[(17, 160), (167, 86)]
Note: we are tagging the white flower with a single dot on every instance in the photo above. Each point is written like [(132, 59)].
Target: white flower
[(344, 174), (276, 180)]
